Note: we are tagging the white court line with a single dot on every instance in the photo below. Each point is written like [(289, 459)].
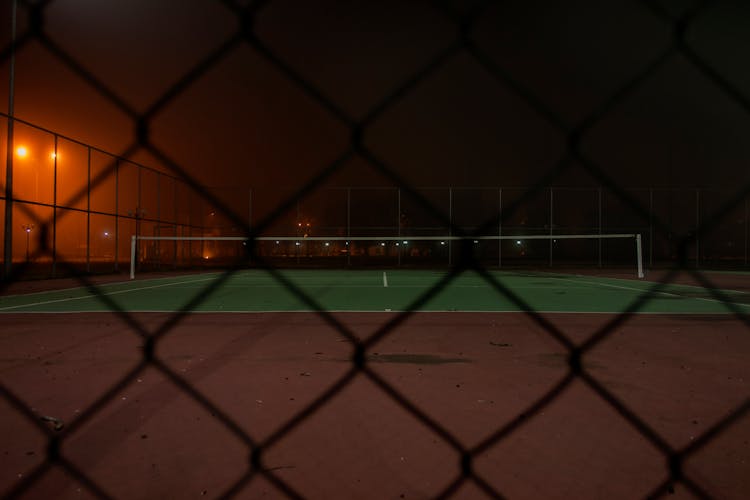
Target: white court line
[(596, 283), (385, 280), (100, 285), (117, 292)]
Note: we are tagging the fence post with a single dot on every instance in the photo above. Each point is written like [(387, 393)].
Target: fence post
[(117, 214), (398, 227), (500, 227), (651, 227), (450, 226), (599, 190), (697, 228), (249, 210), (639, 255), (551, 221), (157, 248), (747, 226), (54, 211), (348, 225), (132, 256), (176, 220), (88, 209)]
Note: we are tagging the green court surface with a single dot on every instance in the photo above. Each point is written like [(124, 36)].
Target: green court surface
[(392, 290)]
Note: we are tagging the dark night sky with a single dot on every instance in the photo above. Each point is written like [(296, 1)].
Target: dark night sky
[(243, 123)]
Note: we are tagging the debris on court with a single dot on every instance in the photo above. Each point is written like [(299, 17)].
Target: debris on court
[(500, 344), (57, 424)]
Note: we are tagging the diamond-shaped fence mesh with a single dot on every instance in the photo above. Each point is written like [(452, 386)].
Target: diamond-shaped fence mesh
[(683, 228)]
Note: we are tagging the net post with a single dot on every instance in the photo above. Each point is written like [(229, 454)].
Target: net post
[(132, 257), (639, 255)]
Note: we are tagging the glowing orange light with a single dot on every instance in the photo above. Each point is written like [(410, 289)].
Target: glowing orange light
[(53, 155), (22, 152)]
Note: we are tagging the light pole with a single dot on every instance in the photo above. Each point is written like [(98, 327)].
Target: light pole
[(27, 228)]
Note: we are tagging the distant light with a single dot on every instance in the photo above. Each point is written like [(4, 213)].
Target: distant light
[(205, 257), (518, 242), (296, 243), (106, 233), (327, 244), (347, 243), (406, 242), (442, 243), (277, 242), (476, 241), (53, 155), (397, 243), (299, 224), (28, 229), (382, 244), (22, 152)]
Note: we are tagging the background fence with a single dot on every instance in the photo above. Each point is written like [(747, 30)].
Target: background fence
[(90, 227), (92, 202)]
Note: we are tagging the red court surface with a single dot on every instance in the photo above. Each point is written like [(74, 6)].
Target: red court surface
[(434, 385)]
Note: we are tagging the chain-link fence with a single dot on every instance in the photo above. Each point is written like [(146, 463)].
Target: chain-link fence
[(687, 237), (89, 229), (94, 230)]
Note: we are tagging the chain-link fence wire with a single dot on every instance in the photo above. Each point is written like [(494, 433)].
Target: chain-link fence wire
[(465, 457)]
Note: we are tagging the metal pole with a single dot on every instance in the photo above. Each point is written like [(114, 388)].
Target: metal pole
[(297, 243), (8, 231), (132, 256), (117, 213), (138, 217), (158, 220), (600, 226), (54, 213), (250, 210), (650, 227), (450, 226), (500, 227), (551, 220), (398, 226), (747, 225), (190, 230), (88, 210), (175, 220), (638, 255), (697, 228)]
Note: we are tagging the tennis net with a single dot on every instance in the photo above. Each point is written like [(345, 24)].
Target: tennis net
[(526, 252)]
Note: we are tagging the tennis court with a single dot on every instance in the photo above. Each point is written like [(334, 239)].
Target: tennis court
[(390, 290), (529, 384)]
